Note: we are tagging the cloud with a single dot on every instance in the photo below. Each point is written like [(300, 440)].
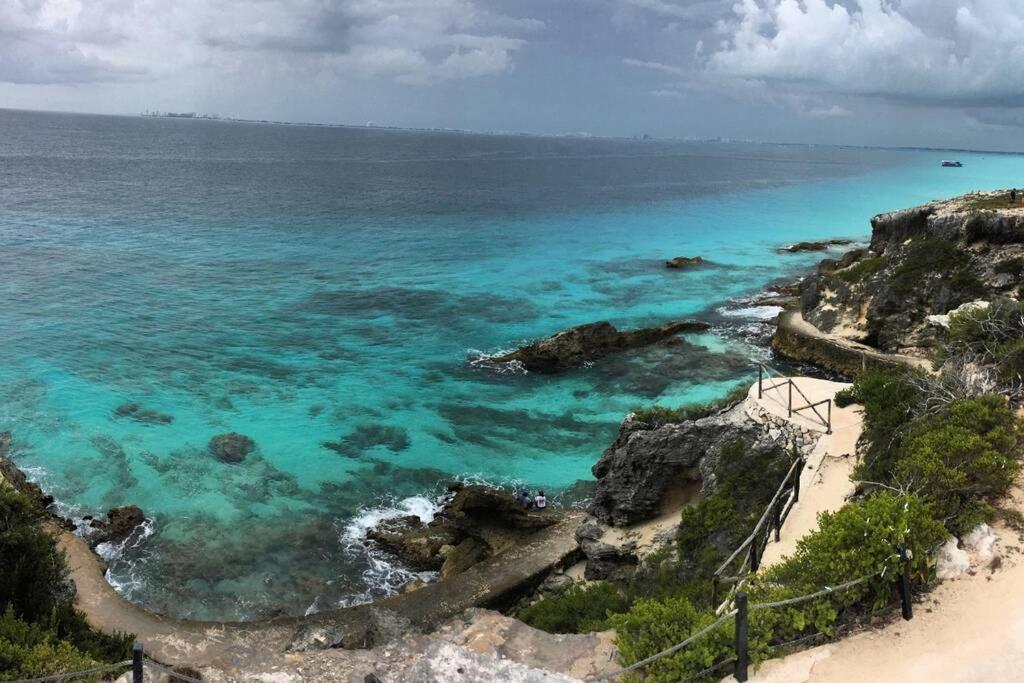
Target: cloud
[(655, 66), (702, 13), (407, 41), (930, 51)]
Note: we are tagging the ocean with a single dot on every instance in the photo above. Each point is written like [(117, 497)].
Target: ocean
[(330, 293)]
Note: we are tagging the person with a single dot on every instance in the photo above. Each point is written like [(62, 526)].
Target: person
[(523, 496), (540, 501), (1013, 196)]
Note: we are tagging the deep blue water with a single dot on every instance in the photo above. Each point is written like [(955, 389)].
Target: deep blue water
[(306, 285)]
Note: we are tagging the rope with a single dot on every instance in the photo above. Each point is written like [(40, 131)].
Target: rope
[(672, 650), (171, 672), (827, 590), (73, 674), (708, 670), (791, 643)]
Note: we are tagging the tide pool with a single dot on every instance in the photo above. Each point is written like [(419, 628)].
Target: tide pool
[(326, 286)]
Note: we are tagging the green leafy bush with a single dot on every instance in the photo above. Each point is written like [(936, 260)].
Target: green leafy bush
[(994, 335), (578, 610), (961, 458), (891, 401), (35, 591), (862, 269), (27, 650)]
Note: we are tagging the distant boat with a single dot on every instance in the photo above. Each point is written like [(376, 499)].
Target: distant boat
[(952, 164)]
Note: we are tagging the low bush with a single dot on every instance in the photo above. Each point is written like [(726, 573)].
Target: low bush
[(660, 415), (862, 269), (580, 609), (40, 621), (927, 257)]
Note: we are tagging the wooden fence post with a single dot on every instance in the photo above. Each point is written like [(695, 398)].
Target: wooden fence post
[(755, 555), (714, 591), (742, 655), (760, 379), (908, 608), (137, 662), (796, 482), (829, 430), (791, 398)]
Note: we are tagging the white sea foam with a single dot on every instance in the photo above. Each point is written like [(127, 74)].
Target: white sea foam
[(125, 576), (751, 312), (383, 576), (480, 359)]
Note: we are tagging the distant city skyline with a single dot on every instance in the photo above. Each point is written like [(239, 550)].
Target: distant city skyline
[(917, 73)]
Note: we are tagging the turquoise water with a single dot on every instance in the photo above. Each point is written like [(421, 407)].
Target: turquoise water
[(304, 286)]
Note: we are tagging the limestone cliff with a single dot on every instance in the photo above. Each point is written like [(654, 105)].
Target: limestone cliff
[(922, 261)]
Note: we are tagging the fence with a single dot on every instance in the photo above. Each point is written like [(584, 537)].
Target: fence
[(740, 661), (826, 420), (771, 521), (137, 665)]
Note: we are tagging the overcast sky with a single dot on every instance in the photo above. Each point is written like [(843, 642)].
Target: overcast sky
[(890, 72)]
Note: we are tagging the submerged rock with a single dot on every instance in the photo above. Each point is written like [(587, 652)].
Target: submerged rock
[(684, 262), (119, 525), (231, 447), (139, 413), (583, 343)]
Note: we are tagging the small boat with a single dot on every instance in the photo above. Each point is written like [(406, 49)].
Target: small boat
[(951, 164)]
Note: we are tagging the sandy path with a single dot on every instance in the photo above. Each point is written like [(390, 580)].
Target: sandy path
[(825, 482)]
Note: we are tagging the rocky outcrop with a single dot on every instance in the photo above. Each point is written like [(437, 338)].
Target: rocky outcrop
[(604, 560), (647, 462), (477, 523), (823, 245), (231, 447), (680, 262), (578, 345), (922, 262), (14, 477), (119, 525)]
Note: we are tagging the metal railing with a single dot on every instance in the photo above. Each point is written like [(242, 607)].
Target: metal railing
[(770, 523), (826, 420)]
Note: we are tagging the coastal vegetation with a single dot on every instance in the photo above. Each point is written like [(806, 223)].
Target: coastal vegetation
[(41, 632), (661, 415)]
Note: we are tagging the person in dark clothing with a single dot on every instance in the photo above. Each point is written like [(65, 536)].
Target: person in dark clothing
[(1013, 196)]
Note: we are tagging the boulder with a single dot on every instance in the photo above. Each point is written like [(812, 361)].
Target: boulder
[(418, 545), (680, 262), (578, 345), (231, 447), (463, 556), (119, 525), (952, 562)]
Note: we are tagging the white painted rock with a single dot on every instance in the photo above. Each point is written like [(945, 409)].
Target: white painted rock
[(952, 562)]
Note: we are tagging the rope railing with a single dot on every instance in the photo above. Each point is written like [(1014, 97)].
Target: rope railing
[(741, 612), (72, 675), (137, 664)]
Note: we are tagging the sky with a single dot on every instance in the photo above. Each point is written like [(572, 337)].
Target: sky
[(938, 73)]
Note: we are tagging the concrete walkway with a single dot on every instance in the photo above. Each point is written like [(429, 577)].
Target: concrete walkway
[(234, 646), (825, 482)]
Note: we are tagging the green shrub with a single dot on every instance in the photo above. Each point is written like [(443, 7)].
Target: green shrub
[(930, 256), (660, 415), (891, 400), (994, 335), (862, 269), (35, 589), (27, 651), (578, 610), (961, 458)]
